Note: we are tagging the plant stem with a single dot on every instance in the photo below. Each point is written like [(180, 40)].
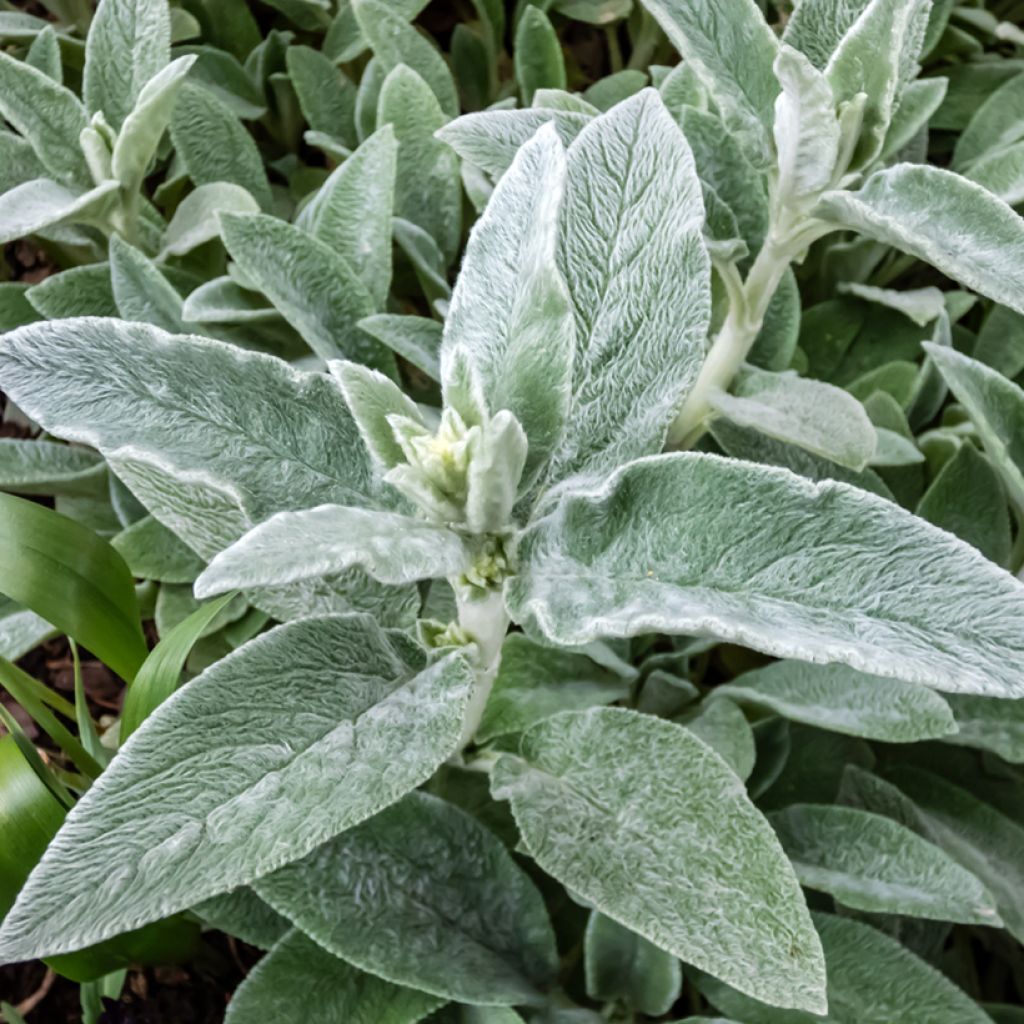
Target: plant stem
[(482, 617)]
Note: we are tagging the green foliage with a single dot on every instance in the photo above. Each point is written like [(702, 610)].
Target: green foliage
[(549, 476)]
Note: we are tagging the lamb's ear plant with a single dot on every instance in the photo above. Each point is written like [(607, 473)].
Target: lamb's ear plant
[(519, 706)]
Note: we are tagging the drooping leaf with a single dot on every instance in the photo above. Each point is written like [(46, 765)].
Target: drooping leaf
[(129, 42), (665, 822), (871, 863), (423, 895), (746, 553), (989, 724), (324, 723), (298, 982), (42, 203), (842, 699), (920, 209)]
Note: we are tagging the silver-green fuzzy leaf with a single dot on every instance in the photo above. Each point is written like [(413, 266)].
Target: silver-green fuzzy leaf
[(297, 736), (990, 724), (841, 699), (647, 823), (944, 219), (699, 545), (424, 895), (872, 863), (298, 982)]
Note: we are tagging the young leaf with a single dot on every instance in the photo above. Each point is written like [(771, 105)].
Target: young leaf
[(428, 189), (538, 55), (748, 554), (919, 209), (329, 539), (665, 822), (298, 982), (871, 977), (844, 700), (510, 310), (214, 146), (313, 287), (473, 927), (638, 274), (146, 123), (324, 722), (44, 54), (732, 50), (351, 212), (48, 116), (72, 578), (871, 863), (397, 44), (621, 965), (326, 95), (129, 42), (818, 417), (816, 27)]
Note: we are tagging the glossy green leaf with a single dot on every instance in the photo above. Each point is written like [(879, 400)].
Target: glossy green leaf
[(743, 553), (72, 578), (425, 896), (665, 822), (298, 982), (324, 722), (841, 699), (871, 863)]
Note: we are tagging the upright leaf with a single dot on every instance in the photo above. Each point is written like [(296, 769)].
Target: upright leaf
[(510, 310), (298, 982), (633, 257), (918, 209), (129, 42), (732, 50), (665, 822), (704, 546), (322, 723), (309, 283), (538, 54), (816, 27), (47, 115), (351, 212), (470, 924), (141, 292)]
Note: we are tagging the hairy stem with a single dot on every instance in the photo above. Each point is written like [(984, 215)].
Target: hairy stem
[(484, 619)]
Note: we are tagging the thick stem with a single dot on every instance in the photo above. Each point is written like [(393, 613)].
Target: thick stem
[(734, 341), (484, 619)]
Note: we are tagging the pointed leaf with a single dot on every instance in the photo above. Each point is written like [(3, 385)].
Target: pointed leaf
[(664, 822), (41, 204), (761, 557), (195, 221), (324, 722), (989, 724)]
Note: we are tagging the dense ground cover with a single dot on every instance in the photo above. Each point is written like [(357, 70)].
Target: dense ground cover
[(512, 512)]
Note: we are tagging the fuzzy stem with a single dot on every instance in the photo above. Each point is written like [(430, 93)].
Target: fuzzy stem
[(485, 620)]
